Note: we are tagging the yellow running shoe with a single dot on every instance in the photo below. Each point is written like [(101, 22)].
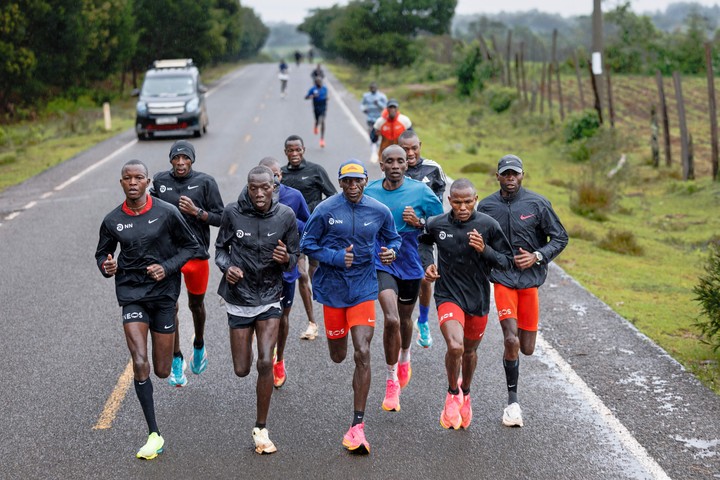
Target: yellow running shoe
[(152, 447)]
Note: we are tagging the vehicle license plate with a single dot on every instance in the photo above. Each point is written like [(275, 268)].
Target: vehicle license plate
[(166, 120)]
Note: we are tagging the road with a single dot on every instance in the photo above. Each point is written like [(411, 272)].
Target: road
[(600, 400)]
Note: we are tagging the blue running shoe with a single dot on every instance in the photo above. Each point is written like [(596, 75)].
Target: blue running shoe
[(424, 338), (198, 361), (177, 376)]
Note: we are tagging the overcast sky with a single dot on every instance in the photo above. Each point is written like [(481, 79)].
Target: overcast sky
[(294, 11)]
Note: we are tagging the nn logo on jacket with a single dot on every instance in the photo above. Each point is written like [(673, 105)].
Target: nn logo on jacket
[(241, 234), (333, 221)]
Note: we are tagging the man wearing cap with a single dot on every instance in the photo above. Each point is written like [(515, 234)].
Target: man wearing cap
[(372, 105), (197, 196), (341, 235), (391, 124), (537, 237), (411, 203)]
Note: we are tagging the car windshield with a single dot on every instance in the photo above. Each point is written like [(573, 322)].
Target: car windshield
[(168, 86)]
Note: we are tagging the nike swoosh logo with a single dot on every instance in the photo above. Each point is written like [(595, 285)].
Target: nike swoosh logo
[(193, 186), (142, 383), (304, 178), (271, 234), (153, 220), (167, 327), (370, 320), (525, 217), (366, 224)]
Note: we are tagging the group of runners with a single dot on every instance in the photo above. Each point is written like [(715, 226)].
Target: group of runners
[(386, 240)]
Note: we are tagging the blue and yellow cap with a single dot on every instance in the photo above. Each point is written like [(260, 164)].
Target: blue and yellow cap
[(353, 169)]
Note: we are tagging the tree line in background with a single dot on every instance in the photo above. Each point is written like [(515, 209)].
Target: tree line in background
[(633, 43), (56, 47), (377, 32)]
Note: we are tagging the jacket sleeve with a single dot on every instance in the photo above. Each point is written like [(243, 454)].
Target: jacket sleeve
[(425, 247), (432, 205), (291, 241), (107, 244), (184, 239), (302, 215), (326, 185), (214, 203), (311, 246), (388, 233), (553, 229), (498, 253), (222, 242)]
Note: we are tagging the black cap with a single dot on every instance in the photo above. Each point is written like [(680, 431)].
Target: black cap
[(510, 162), (183, 147), (393, 103)]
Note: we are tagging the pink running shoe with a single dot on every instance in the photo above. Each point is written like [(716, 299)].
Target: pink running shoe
[(392, 396), (466, 412), (450, 416), (404, 374), (354, 440), (279, 375)]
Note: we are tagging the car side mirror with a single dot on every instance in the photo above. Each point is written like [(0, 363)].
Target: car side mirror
[(135, 92), (202, 89)]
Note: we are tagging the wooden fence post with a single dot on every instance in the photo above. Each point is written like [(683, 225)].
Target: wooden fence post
[(499, 59), (517, 75), (559, 91), (579, 82), (483, 48), (542, 88), (665, 119), (522, 72), (508, 60), (611, 107), (712, 108), (687, 167), (598, 105), (654, 130)]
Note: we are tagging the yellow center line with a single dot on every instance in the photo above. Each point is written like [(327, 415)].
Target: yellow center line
[(256, 119), (115, 400), (248, 137), (233, 168)]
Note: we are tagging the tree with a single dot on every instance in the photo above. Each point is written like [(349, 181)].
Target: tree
[(19, 61), (254, 34), (633, 42), (317, 26)]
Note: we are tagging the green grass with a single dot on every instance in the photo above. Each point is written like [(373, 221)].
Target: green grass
[(669, 219)]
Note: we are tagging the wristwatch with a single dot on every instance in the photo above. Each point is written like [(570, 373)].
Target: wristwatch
[(422, 223), (539, 257), (201, 211)]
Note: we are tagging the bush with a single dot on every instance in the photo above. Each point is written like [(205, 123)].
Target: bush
[(708, 295), (501, 98), (581, 125), (592, 201), (622, 242)]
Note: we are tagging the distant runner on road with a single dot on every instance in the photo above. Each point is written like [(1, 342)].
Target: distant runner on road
[(319, 95), (537, 237), (341, 234), (391, 124), (469, 244), (372, 105), (197, 196), (155, 242)]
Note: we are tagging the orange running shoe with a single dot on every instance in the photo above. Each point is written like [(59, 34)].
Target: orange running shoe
[(466, 412), (279, 375), (404, 374), (450, 416), (315, 130), (322, 143), (354, 440), (392, 396)]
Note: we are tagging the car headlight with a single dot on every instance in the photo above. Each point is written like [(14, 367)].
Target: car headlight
[(192, 105), (141, 108)]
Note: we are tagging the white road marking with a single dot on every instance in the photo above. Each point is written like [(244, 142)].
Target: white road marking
[(622, 433), (95, 165), (353, 120)]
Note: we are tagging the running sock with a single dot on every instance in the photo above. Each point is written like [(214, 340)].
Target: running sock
[(259, 425), (392, 372), (198, 343), (512, 371), (144, 391), (358, 417), (404, 355), (424, 310), (455, 391), (177, 354), (466, 392)]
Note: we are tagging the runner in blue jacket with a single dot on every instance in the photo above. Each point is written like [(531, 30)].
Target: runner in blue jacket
[(341, 235)]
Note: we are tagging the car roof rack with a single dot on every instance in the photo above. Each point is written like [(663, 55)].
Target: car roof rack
[(173, 63)]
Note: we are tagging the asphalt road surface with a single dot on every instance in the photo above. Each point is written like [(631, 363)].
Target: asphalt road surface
[(600, 400)]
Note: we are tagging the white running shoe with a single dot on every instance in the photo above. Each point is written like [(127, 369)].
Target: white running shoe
[(262, 442), (512, 416)]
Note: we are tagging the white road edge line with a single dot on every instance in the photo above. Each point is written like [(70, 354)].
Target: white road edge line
[(347, 112), (95, 165), (625, 437)]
